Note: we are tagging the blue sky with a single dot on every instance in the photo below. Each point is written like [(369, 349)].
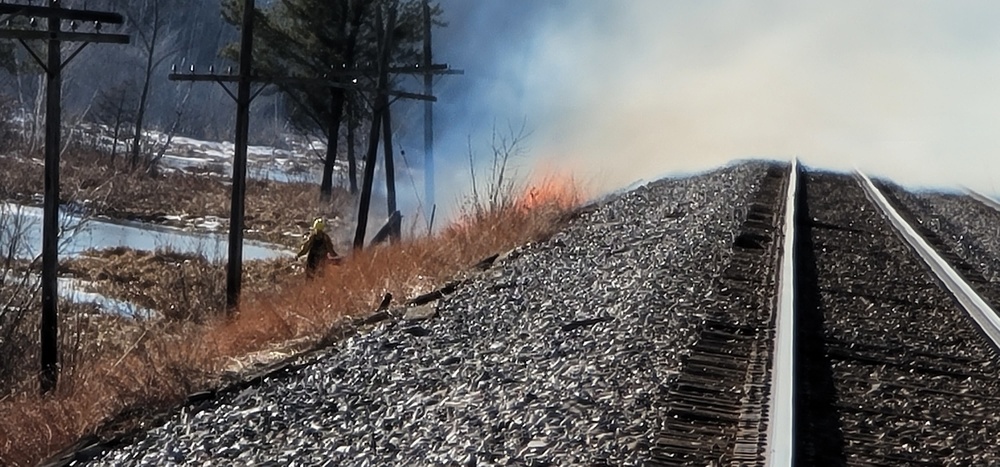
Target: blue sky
[(629, 89)]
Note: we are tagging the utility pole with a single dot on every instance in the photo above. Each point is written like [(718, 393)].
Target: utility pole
[(234, 268), (244, 97), (352, 162), (379, 107), (381, 113), (53, 66), (429, 201), (383, 101), (50, 211)]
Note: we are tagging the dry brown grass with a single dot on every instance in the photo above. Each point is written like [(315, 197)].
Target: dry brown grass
[(167, 361), (180, 287)]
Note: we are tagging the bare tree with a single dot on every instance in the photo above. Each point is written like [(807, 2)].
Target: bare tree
[(154, 162), (19, 293), (501, 187), (33, 130), (146, 19), (20, 288), (6, 123), (113, 111)]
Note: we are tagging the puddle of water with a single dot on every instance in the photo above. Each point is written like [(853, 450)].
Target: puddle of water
[(78, 238), (98, 234), (74, 290)]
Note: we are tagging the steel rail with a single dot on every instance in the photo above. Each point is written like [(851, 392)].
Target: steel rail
[(781, 424), (987, 200), (983, 314)]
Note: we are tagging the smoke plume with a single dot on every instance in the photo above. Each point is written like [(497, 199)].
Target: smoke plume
[(625, 90)]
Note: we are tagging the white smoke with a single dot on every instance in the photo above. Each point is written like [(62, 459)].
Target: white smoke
[(624, 90)]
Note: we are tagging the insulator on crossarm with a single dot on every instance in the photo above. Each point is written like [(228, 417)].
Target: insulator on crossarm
[(192, 68), (97, 26), (72, 26), (211, 68), (173, 68), (229, 69)]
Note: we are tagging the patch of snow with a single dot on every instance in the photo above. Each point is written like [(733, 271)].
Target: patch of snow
[(209, 223)]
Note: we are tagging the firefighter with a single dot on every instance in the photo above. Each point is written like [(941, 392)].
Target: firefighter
[(318, 248)]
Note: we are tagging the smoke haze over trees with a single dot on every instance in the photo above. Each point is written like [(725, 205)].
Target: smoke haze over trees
[(188, 32), (124, 86), (311, 39)]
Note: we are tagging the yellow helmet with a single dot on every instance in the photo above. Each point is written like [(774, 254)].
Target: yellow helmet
[(318, 224)]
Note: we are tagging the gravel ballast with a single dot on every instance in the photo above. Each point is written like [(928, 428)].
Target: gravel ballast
[(562, 353), (963, 228), (911, 381)]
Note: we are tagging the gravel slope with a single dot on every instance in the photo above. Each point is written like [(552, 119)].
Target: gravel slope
[(562, 353)]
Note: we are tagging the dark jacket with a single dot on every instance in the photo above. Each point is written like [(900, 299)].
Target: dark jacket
[(316, 248)]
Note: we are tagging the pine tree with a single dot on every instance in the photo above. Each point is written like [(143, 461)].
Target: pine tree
[(6, 56), (311, 39)]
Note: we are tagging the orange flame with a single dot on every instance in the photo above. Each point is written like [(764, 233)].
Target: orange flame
[(555, 189)]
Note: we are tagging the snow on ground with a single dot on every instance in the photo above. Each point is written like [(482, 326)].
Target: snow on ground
[(301, 161), (297, 159)]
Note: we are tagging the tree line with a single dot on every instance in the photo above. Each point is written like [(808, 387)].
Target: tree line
[(126, 88)]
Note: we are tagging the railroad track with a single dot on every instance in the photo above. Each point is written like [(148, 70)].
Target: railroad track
[(837, 334), (718, 405), (855, 337)]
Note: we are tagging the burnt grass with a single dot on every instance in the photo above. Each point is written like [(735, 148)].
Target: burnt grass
[(276, 212)]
